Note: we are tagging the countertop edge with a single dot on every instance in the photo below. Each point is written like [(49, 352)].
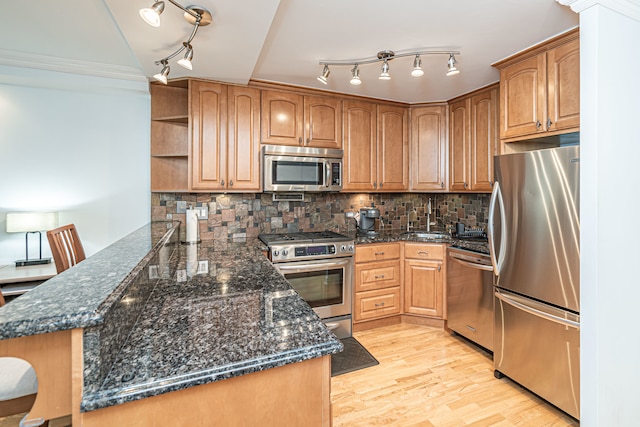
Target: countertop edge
[(154, 388)]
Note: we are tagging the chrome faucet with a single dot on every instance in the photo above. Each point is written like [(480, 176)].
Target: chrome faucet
[(429, 224)]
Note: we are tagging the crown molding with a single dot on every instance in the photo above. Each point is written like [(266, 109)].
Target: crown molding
[(629, 8), (71, 66)]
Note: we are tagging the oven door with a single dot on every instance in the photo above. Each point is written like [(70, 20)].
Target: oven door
[(326, 285)]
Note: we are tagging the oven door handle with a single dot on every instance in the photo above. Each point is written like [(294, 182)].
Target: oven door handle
[(295, 267), (472, 264)]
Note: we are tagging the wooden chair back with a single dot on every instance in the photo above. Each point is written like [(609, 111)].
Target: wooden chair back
[(66, 247), (1, 299)]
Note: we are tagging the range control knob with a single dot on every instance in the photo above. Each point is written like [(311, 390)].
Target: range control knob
[(285, 252), (343, 248), (350, 248), (276, 253)]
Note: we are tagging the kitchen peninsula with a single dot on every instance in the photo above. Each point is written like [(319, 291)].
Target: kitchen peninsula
[(150, 331)]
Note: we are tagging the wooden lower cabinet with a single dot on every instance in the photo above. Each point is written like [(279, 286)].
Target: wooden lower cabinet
[(378, 279), (424, 272)]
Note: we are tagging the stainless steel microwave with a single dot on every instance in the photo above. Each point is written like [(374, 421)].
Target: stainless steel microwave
[(301, 169)]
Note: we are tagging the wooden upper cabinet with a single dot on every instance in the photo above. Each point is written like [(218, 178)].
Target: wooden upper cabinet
[(243, 146), (428, 148), (459, 136), (393, 149), (522, 91), (360, 151), (282, 118), (208, 117), (540, 90), (294, 119), (323, 122), (473, 140), (563, 86), (484, 138)]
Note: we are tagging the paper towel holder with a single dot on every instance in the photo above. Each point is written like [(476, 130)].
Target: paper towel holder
[(192, 230)]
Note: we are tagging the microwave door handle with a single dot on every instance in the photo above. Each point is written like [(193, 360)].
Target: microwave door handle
[(327, 174)]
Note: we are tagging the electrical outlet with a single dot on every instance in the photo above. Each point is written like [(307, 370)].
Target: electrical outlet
[(202, 212), (349, 214), (181, 207)]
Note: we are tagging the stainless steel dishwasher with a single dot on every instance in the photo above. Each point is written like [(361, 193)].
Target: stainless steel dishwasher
[(470, 295)]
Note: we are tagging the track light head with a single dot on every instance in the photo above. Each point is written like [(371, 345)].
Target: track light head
[(325, 73), (151, 15), (355, 76), (162, 75), (417, 67), (384, 75), (188, 56), (451, 66)]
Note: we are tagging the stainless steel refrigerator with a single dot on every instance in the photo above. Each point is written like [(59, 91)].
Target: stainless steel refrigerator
[(534, 240)]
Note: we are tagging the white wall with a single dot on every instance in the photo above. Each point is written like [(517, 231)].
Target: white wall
[(610, 192), (74, 144)]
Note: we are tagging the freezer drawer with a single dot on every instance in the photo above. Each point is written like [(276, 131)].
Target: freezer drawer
[(538, 346)]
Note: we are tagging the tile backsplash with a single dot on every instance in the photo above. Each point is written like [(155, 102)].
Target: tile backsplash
[(247, 215)]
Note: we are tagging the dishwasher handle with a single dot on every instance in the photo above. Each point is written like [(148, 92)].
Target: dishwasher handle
[(472, 264)]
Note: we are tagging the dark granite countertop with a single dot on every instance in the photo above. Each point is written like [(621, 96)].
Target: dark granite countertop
[(80, 296), (159, 316), (225, 312), (393, 235)]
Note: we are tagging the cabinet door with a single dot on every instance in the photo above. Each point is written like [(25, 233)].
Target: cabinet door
[(323, 122), (424, 291), (459, 135), (393, 149), (563, 86), (282, 118), (523, 97), (244, 139), (428, 148), (484, 138), (208, 117), (359, 123)]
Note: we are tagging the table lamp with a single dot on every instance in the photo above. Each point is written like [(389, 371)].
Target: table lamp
[(31, 222)]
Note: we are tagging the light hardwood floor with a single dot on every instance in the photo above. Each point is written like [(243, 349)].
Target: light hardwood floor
[(428, 377)]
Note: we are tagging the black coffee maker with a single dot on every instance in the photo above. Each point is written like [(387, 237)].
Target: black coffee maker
[(367, 222)]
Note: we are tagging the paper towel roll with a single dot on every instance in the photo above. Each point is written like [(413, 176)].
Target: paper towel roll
[(192, 260), (192, 226)]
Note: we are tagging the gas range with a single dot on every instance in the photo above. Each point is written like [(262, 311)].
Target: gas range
[(311, 245)]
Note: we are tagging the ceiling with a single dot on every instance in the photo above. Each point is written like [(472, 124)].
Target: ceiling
[(284, 40)]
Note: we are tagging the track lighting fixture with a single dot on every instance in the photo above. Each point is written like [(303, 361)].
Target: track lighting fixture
[(385, 57), (151, 15), (355, 76), (325, 73), (417, 67), (188, 56), (384, 75), (451, 66), (195, 15), (162, 75)]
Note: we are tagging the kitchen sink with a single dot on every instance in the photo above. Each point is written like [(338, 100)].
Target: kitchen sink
[(426, 235)]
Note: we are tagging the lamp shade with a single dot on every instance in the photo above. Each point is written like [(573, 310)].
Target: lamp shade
[(21, 222)]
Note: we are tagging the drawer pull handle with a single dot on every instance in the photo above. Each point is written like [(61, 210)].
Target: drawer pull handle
[(423, 252), (379, 253), (379, 277), (381, 304)]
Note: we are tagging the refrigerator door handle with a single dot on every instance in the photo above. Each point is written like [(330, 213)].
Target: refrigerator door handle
[(496, 197), (536, 312)]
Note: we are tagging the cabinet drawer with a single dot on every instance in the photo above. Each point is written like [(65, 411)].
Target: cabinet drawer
[(374, 304), (377, 275), (382, 252), (424, 251)]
